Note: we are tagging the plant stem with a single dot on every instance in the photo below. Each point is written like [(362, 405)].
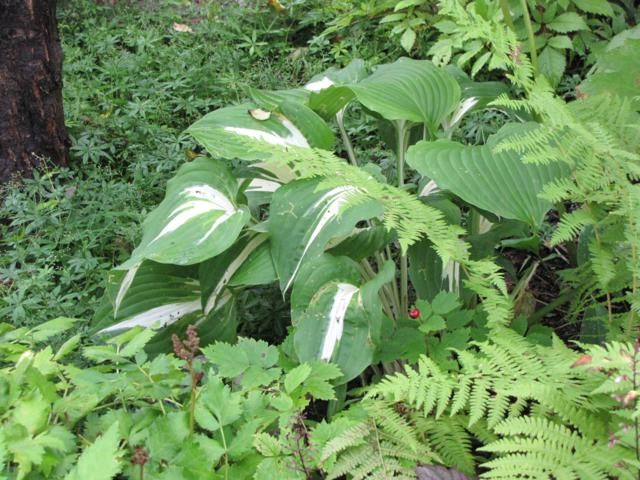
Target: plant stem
[(530, 35), (508, 19), (345, 138), (402, 132)]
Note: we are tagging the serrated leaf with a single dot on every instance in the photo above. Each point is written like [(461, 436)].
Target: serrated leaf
[(434, 323), (567, 22), (267, 445), (599, 7), (295, 377), (560, 42), (445, 302), (552, 63), (100, 460)]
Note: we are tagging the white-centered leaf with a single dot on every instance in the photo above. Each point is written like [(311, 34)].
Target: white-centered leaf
[(304, 219), (233, 132), (341, 300), (150, 295), (336, 319), (197, 219), (217, 272)]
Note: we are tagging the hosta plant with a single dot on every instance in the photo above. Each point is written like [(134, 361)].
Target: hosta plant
[(337, 237)]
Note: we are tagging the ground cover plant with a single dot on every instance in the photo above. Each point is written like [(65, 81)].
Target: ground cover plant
[(450, 244)]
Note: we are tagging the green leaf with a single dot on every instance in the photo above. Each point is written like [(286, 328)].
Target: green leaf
[(216, 405), (567, 22), (305, 218), (599, 7), (434, 323), (318, 383), (336, 319), (552, 63), (445, 302), (362, 242), (412, 90), (233, 132), (197, 219), (216, 273), (560, 42), (499, 182), (267, 445), (295, 377), (408, 39), (51, 328), (617, 69), (147, 295), (100, 460)]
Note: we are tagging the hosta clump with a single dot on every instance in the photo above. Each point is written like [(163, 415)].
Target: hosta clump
[(324, 229)]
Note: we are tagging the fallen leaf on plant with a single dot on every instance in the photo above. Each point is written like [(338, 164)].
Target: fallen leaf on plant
[(181, 27)]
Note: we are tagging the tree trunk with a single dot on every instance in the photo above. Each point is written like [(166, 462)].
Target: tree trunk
[(31, 115)]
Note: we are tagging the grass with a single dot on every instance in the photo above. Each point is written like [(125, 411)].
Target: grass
[(132, 84)]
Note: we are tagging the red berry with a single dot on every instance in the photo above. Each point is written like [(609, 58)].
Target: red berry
[(414, 313)]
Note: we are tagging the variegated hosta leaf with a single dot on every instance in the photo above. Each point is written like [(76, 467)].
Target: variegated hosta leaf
[(234, 133), (259, 191), (149, 295), (217, 273), (336, 317), (500, 183), (303, 220), (197, 219), (166, 297), (330, 91), (361, 242), (220, 325), (411, 90)]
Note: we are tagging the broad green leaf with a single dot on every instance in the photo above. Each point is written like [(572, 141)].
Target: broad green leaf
[(412, 90), (51, 328), (155, 295), (567, 22), (234, 133), (434, 323), (329, 314), (100, 460), (257, 269), (217, 272), (328, 97), (197, 219), (552, 63), (304, 219), (425, 269), (499, 182)]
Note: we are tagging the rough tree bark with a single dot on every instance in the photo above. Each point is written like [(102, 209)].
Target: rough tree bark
[(31, 115)]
